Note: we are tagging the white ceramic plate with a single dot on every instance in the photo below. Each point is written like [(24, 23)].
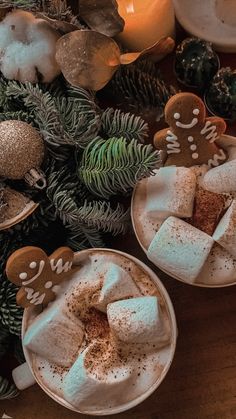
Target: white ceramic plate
[(212, 20), (220, 268), (166, 353)]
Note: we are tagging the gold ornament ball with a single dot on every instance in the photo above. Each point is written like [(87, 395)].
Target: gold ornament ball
[(21, 149)]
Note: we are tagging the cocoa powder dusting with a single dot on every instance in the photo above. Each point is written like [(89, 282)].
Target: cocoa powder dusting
[(208, 209)]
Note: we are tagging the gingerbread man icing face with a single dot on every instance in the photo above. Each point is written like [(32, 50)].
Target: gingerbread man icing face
[(37, 274), (190, 138)]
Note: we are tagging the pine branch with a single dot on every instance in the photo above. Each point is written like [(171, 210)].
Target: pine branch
[(72, 120), (10, 313), (7, 390), (100, 215), (96, 214), (82, 237), (116, 123), (21, 4), (112, 166), (16, 115), (141, 87)]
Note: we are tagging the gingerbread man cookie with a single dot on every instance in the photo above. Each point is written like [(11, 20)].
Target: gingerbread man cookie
[(37, 274), (190, 138)]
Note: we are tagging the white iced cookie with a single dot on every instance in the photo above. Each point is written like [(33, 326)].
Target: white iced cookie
[(180, 249), (47, 334), (136, 320), (96, 377), (171, 192), (117, 285), (221, 179), (27, 48), (225, 232)]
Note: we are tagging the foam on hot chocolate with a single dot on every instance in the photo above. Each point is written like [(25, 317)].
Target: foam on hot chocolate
[(105, 372)]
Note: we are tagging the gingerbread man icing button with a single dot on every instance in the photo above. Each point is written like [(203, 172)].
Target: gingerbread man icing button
[(190, 138), (37, 274)]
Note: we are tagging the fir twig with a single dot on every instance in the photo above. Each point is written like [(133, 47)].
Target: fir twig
[(72, 120), (116, 123), (112, 166), (81, 237), (21, 4), (7, 390), (100, 215)]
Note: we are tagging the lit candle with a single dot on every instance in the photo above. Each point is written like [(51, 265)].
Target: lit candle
[(146, 21)]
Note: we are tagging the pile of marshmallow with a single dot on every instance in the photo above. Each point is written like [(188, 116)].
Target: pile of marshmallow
[(59, 336), (178, 247)]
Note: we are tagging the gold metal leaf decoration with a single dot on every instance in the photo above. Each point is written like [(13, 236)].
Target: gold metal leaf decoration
[(102, 16), (87, 58), (156, 52)]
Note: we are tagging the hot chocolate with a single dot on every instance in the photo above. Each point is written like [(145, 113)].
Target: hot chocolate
[(106, 339), (196, 248)]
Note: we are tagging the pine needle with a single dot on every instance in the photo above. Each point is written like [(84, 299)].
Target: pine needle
[(112, 166), (116, 123)]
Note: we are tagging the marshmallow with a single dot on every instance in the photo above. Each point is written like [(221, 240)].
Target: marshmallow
[(225, 232), (221, 179), (171, 192), (180, 249), (118, 284), (97, 382), (136, 320), (219, 268), (48, 333)]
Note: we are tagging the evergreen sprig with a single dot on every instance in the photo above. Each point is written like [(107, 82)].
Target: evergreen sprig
[(7, 390), (100, 215), (116, 123), (80, 237), (72, 120), (21, 4), (113, 166), (96, 214)]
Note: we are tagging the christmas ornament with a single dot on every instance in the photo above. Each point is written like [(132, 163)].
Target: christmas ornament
[(195, 62), (220, 98), (22, 152)]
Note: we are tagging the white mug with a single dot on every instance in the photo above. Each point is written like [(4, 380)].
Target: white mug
[(24, 376)]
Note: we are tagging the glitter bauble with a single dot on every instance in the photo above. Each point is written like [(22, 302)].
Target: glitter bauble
[(21, 149)]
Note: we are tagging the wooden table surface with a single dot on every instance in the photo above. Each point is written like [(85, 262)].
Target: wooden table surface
[(201, 383)]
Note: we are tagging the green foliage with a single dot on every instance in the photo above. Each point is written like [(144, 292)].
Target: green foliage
[(20, 115), (10, 313), (7, 390), (113, 166), (95, 214), (116, 123), (71, 120), (22, 4)]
